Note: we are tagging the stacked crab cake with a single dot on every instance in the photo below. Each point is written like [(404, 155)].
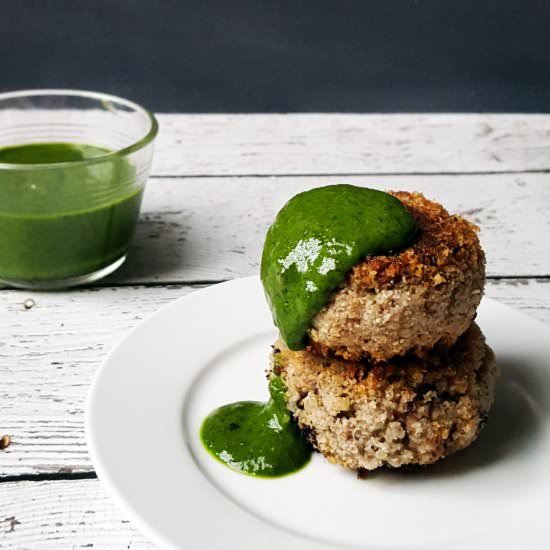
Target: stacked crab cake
[(394, 371)]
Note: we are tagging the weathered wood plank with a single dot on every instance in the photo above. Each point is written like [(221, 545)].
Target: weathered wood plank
[(527, 295), (49, 354), (212, 229), (350, 144), (62, 515)]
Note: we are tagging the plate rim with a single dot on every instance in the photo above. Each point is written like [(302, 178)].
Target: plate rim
[(109, 485)]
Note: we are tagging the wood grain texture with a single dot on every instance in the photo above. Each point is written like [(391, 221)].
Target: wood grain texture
[(48, 356), (350, 144), (213, 228), (209, 228), (62, 515), (50, 353)]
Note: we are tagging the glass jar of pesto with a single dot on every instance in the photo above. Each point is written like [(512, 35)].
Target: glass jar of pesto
[(73, 167)]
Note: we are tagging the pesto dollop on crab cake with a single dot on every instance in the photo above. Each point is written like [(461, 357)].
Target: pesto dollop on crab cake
[(407, 302)]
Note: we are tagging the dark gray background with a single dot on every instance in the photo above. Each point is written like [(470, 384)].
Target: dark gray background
[(281, 56)]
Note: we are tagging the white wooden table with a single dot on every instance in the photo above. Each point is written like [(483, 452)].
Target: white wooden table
[(217, 183)]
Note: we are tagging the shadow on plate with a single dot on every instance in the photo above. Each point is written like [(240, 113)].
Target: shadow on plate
[(513, 423)]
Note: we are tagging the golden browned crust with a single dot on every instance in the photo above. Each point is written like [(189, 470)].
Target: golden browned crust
[(424, 296), (446, 245)]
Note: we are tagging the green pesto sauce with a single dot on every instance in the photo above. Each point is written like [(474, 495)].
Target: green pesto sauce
[(66, 220), (259, 439), (316, 238), (49, 153)]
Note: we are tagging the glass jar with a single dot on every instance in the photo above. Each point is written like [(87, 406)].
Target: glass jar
[(73, 167)]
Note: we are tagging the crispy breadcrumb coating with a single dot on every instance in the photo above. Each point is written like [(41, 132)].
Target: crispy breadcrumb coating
[(424, 296), (407, 411)]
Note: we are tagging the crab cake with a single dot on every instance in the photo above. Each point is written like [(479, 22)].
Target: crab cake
[(426, 295), (407, 411)]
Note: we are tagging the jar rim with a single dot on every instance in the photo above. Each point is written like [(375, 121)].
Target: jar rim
[(100, 96)]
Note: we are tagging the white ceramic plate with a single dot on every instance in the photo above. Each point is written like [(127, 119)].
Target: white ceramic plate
[(210, 348)]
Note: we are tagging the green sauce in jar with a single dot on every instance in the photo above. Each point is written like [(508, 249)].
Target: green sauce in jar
[(61, 217)]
